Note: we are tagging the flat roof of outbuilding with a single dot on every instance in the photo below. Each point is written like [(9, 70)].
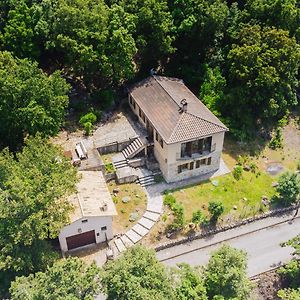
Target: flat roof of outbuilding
[(93, 198)]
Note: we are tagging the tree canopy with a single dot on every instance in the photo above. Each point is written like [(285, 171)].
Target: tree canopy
[(33, 205), (69, 278), (137, 275), (31, 101), (226, 274)]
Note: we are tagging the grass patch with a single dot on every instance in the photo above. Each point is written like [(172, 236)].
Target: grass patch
[(109, 168), (137, 203), (244, 194)]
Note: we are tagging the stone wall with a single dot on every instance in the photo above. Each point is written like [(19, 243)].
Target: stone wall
[(114, 147)]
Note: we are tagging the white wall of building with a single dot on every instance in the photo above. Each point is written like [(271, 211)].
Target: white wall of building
[(93, 223)]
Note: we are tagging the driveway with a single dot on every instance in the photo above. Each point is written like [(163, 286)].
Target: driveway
[(261, 240)]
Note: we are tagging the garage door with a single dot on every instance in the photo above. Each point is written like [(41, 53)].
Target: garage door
[(81, 239)]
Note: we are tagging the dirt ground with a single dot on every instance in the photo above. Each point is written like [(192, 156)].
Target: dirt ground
[(267, 286)]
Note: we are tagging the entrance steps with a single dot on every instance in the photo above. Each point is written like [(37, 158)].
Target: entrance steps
[(133, 148)]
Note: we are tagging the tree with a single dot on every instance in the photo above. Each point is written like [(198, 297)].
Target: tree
[(289, 294), (33, 205), (87, 122), (68, 278), (31, 101), (262, 68), (190, 285), (199, 217), (288, 188), (226, 275), (215, 208), (136, 275)]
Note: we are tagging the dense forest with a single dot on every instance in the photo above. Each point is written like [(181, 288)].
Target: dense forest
[(241, 58)]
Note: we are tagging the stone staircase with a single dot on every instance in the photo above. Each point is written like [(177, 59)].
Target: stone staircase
[(147, 179), (138, 231), (133, 148)]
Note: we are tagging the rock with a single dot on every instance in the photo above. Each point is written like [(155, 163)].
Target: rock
[(247, 168), (264, 197), (274, 184), (234, 207), (116, 190), (215, 182), (245, 199), (137, 196), (133, 216), (115, 195), (126, 199)]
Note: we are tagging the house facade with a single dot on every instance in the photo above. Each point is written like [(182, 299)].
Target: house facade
[(186, 137), (91, 220)]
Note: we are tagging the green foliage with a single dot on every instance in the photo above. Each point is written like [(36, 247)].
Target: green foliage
[(191, 286), (226, 274), (69, 278), (212, 89), (260, 85), (237, 172), (291, 273), (87, 122), (215, 208), (199, 218), (109, 168), (276, 141), (288, 188), (289, 294), (31, 101), (136, 275), (33, 186), (178, 212)]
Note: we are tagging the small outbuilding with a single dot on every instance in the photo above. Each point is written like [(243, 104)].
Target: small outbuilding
[(91, 220)]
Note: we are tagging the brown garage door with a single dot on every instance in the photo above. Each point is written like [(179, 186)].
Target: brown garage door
[(81, 239)]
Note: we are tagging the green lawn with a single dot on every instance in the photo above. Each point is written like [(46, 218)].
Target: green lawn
[(245, 194)]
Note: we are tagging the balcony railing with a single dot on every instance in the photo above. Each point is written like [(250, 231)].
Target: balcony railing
[(196, 155)]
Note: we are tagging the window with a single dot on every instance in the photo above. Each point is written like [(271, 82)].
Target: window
[(196, 147), (103, 228), (134, 105), (130, 100), (84, 221), (182, 168), (143, 117), (192, 165), (156, 135), (161, 142), (140, 112), (203, 161), (209, 161), (197, 164)]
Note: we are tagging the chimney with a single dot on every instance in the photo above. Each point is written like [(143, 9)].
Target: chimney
[(183, 107)]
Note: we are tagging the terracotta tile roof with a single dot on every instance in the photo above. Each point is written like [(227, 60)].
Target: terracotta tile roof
[(159, 98)]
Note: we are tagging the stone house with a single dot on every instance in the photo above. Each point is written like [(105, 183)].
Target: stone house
[(185, 137)]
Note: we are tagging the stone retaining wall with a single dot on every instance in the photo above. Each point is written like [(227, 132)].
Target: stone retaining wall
[(114, 147), (219, 229)]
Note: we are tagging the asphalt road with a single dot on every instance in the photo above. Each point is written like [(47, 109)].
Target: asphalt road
[(262, 246)]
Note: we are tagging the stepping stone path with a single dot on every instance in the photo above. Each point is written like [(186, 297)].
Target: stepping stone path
[(139, 230)]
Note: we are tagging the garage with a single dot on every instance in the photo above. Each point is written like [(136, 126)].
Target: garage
[(81, 239)]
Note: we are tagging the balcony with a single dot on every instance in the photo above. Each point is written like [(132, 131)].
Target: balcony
[(196, 156)]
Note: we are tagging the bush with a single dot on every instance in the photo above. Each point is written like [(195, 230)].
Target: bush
[(109, 168), (178, 212), (276, 141), (291, 273), (237, 172), (253, 167), (288, 188), (215, 208), (169, 200), (87, 122), (199, 217)]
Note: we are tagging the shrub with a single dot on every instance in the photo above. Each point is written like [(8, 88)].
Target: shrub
[(109, 168), (288, 188), (199, 217), (215, 208), (237, 172), (253, 167), (291, 273), (87, 122), (276, 141), (169, 200)]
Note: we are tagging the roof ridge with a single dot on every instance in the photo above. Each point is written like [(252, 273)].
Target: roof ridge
[(177, 125), (154, 76), (224, 127)]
